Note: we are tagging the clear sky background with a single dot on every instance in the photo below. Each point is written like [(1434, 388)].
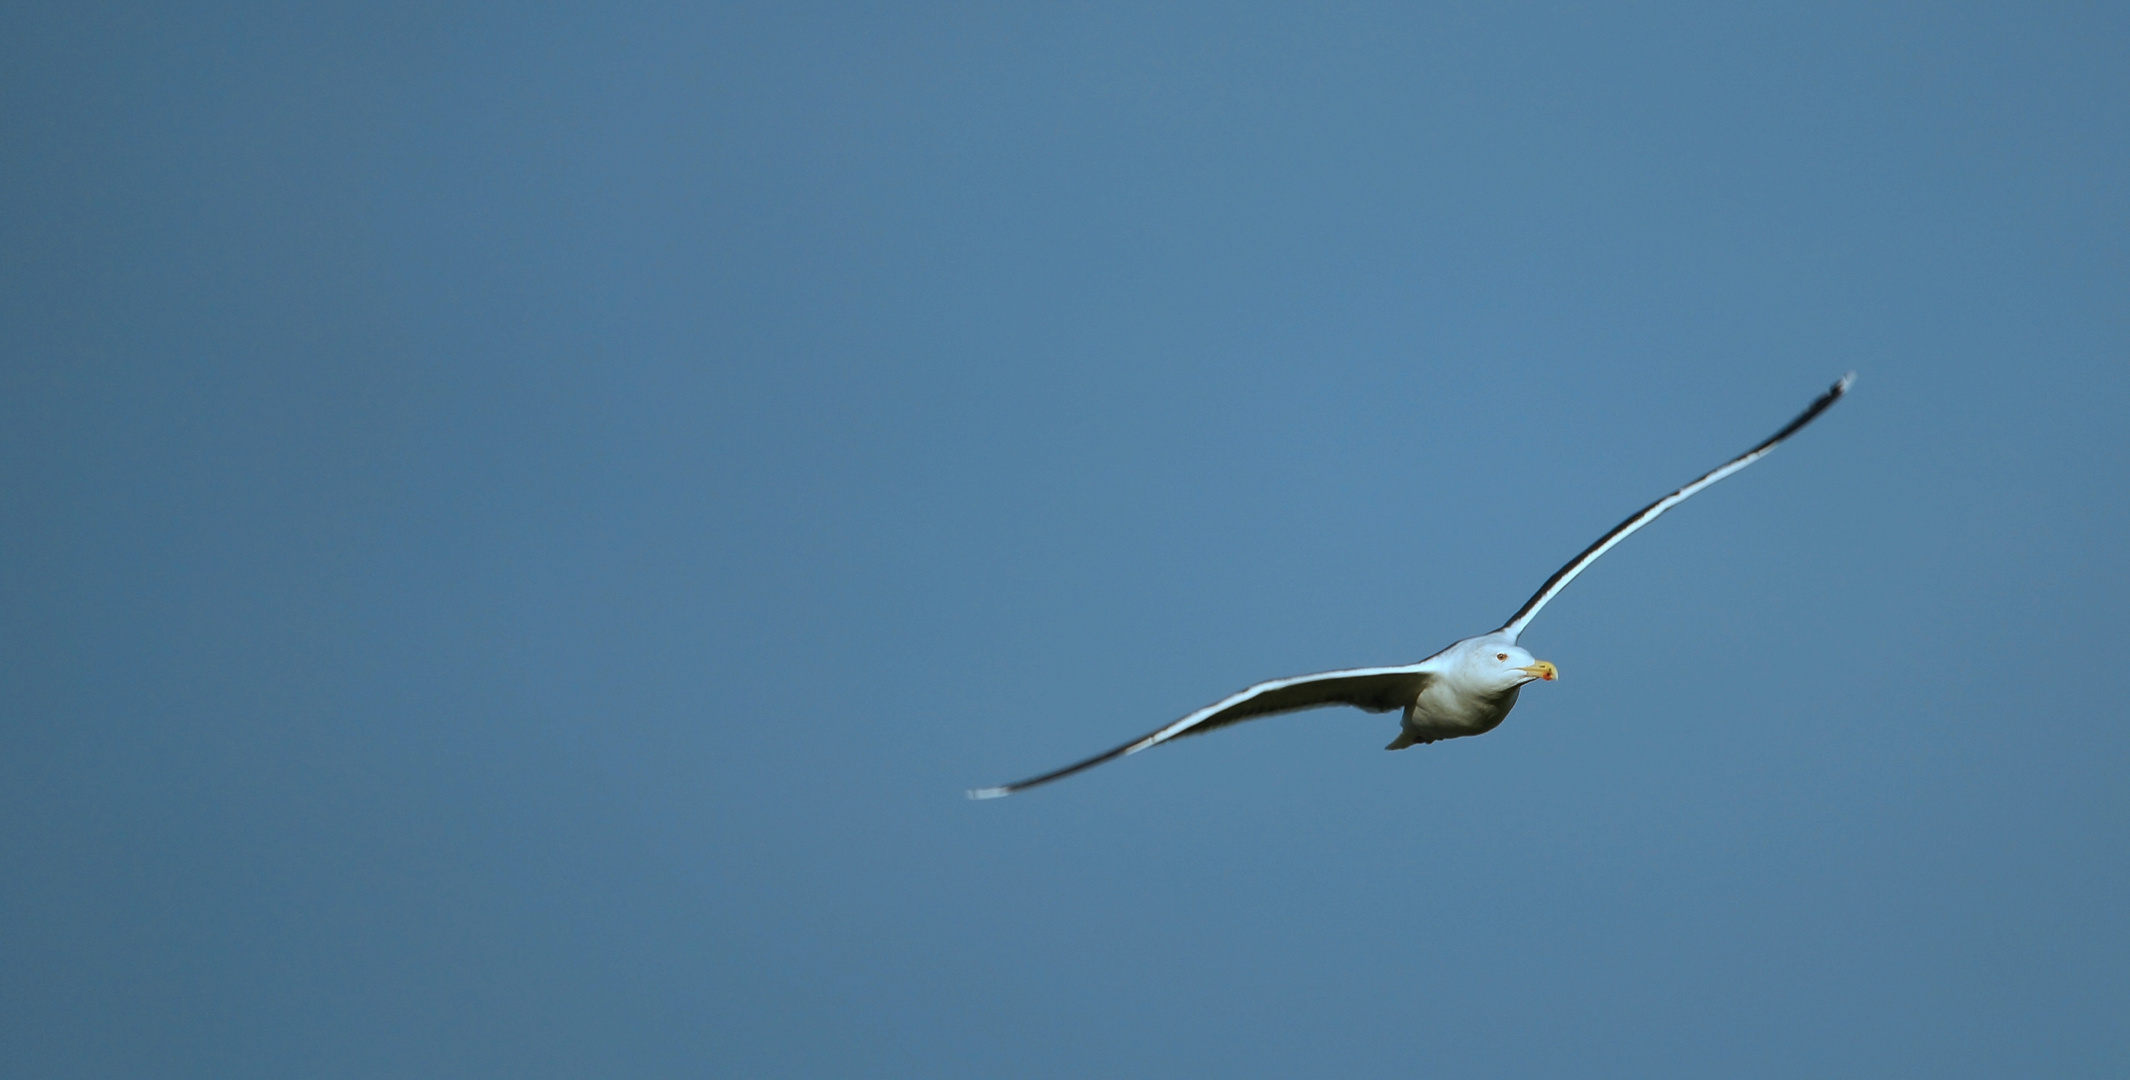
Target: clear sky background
[(520, 523)]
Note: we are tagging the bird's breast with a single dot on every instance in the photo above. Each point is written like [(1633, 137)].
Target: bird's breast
[(1445, 710)]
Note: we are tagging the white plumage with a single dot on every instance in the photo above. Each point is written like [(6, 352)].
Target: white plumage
[(1466, 689)]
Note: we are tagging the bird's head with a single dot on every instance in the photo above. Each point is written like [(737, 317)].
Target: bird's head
[(1506, 666)]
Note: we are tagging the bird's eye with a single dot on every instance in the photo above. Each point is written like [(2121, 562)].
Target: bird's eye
[(1501, 656)]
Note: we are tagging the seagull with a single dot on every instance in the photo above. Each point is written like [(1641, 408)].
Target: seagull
[(1466, 689)]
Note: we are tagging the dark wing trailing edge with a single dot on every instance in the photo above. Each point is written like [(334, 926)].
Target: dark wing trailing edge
[(1373, 689), (1560, 579)]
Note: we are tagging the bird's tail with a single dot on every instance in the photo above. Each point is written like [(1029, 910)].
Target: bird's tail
[(1405, 738)]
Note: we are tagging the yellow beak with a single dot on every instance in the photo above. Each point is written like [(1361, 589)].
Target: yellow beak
[(1542, 670)]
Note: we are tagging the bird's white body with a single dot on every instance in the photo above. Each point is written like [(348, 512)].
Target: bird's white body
[(1473, 687), (1466, 689)]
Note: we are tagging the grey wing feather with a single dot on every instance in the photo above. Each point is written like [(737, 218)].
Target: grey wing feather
[(1373, 689)]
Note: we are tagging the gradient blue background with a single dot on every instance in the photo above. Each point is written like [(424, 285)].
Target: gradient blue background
[(522, 521)]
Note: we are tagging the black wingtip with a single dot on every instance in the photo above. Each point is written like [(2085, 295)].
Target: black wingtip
[(1834, 393), (1004, 790)]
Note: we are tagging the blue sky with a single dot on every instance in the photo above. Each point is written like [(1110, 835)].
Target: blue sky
[(521, 523)]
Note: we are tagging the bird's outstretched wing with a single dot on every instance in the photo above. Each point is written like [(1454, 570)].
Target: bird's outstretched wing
[(1561, 577), (1375, 689)]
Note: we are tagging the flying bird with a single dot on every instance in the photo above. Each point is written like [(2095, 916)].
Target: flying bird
[(1466, 689)]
